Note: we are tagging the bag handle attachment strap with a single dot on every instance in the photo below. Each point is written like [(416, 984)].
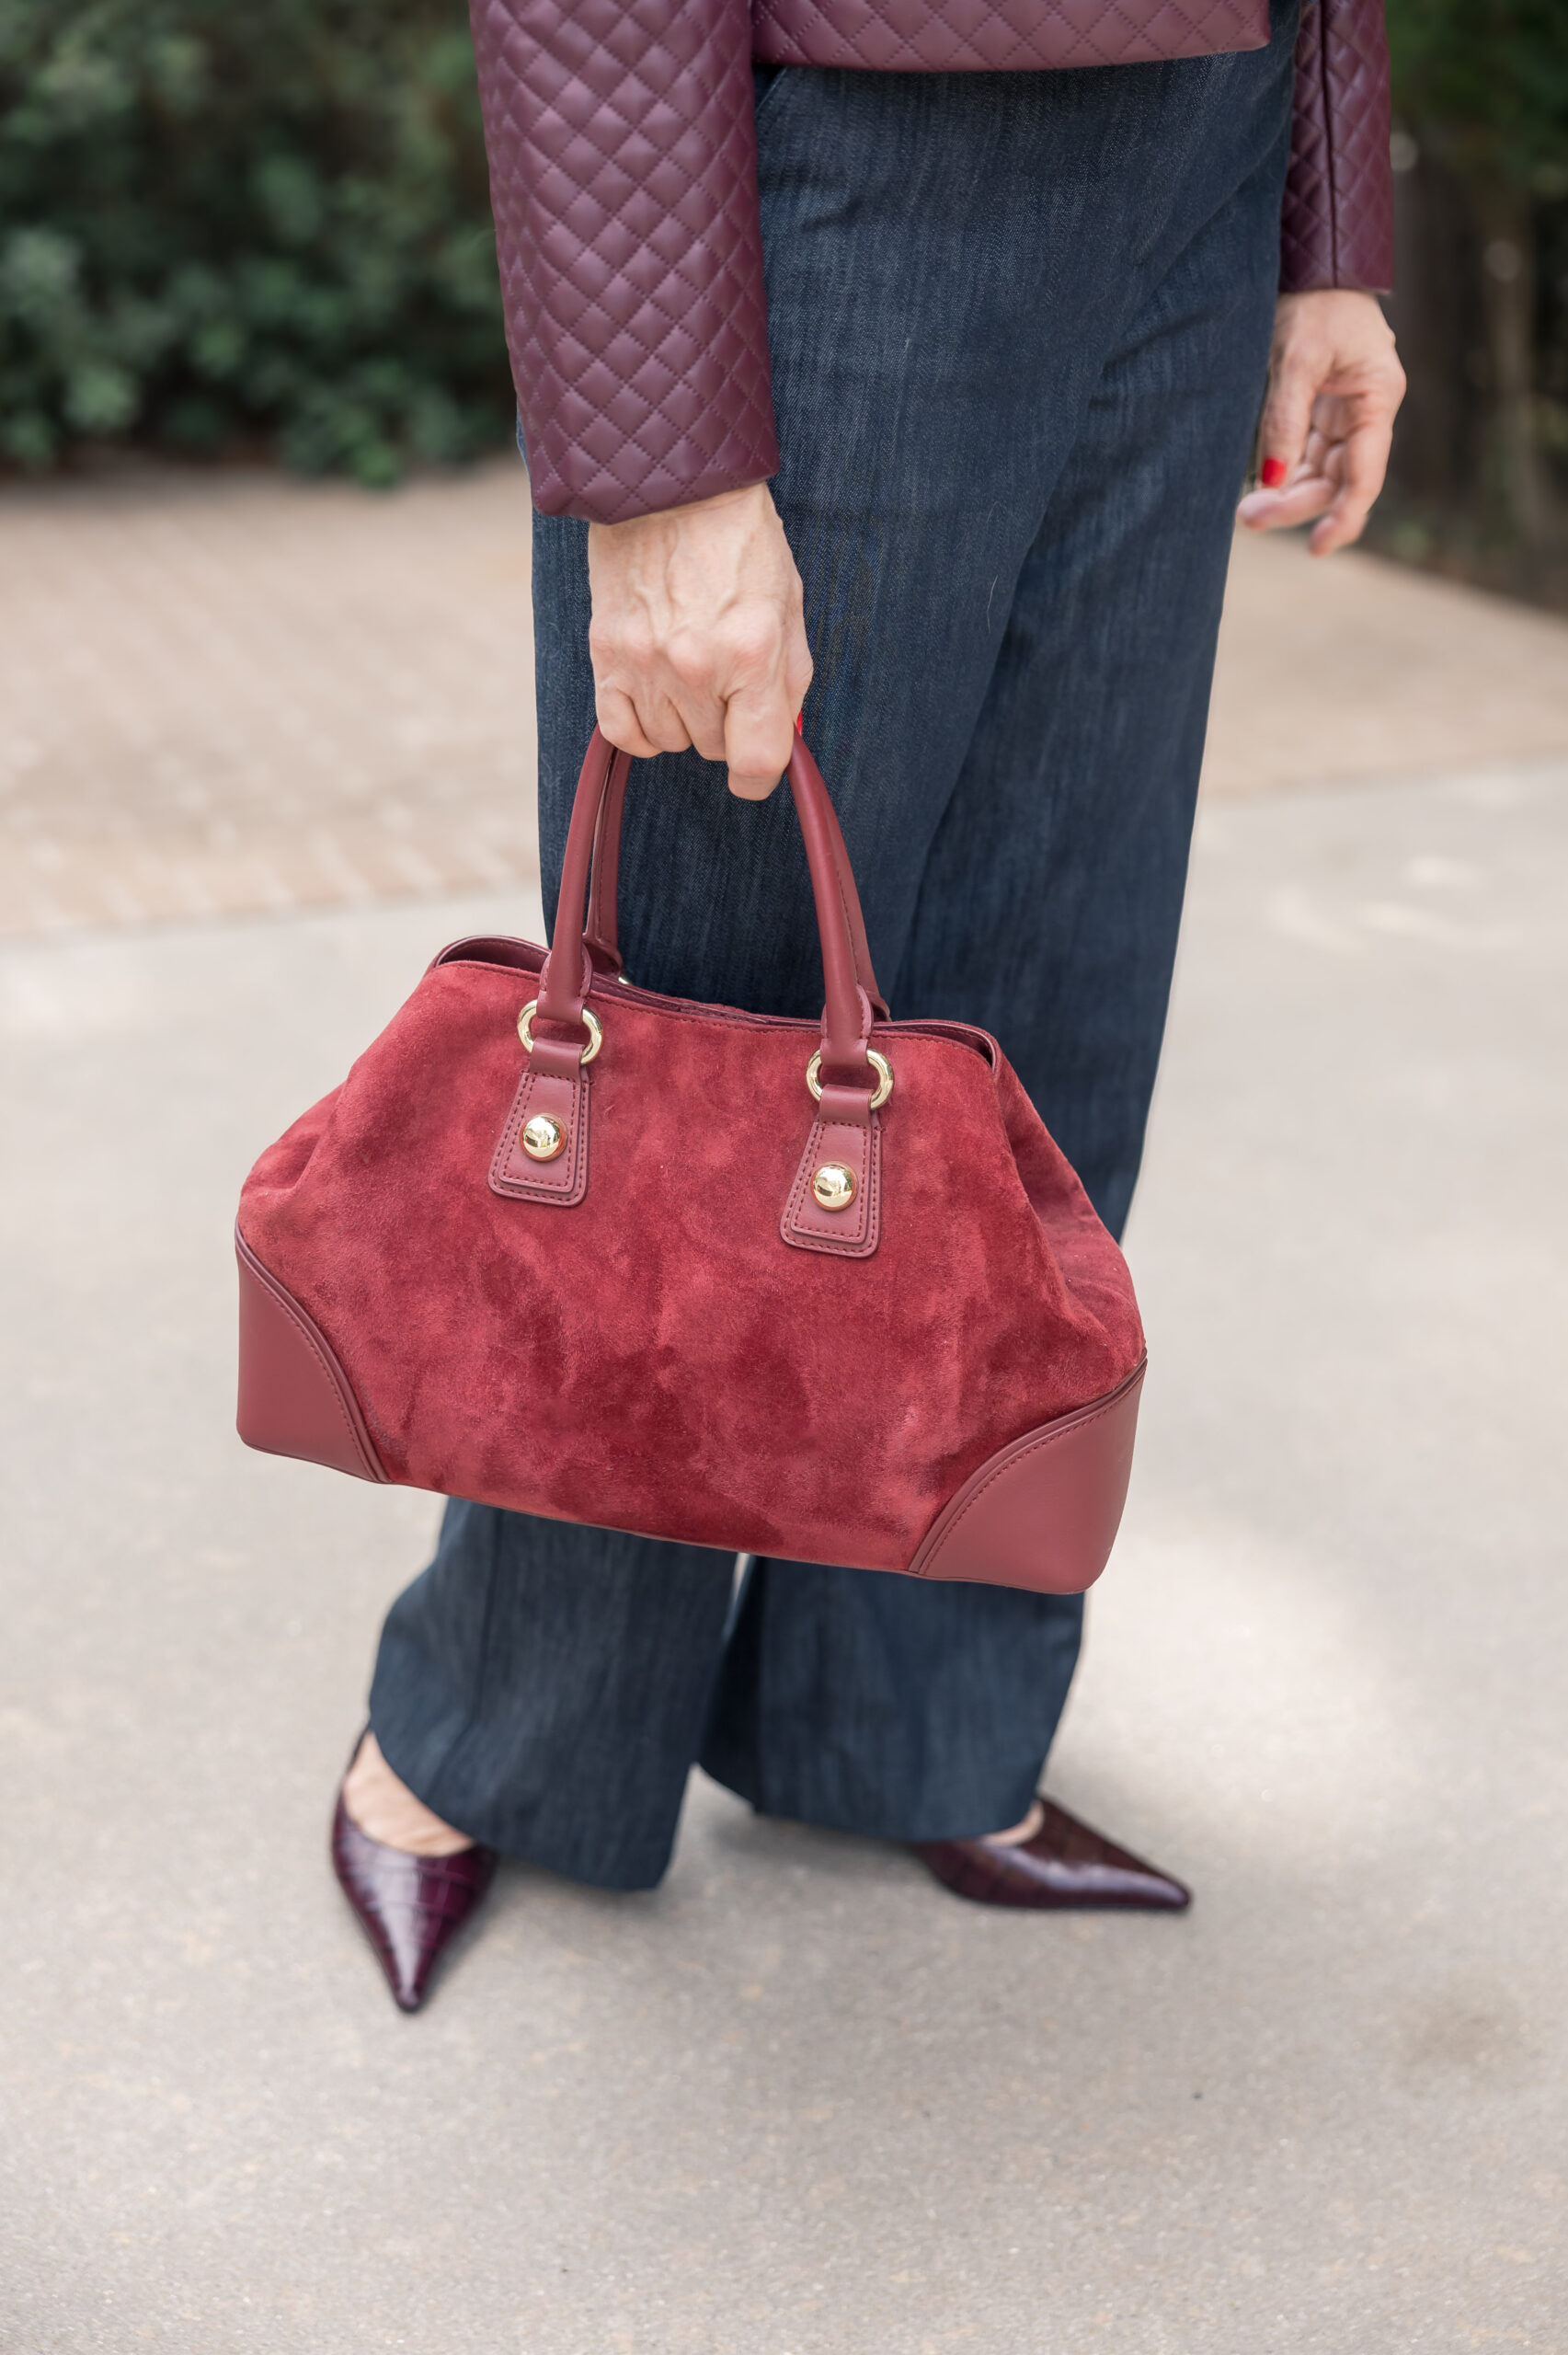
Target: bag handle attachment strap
[(592, 1023), (814, 1074), (835, 1203)]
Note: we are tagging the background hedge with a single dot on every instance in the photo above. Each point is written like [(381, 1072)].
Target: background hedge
[(246, 223), (228, 227), (1480, 457)]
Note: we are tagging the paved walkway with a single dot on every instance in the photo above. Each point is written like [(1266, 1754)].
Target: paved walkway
[(238, 693), (254, 693), (801, 2102)]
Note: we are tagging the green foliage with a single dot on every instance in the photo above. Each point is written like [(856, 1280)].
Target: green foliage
[(230, 226), (1486, 84), (227, 226), (1481, 452)]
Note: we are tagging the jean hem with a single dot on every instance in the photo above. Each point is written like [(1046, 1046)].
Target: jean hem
[(539, 1854), (911, 1831)]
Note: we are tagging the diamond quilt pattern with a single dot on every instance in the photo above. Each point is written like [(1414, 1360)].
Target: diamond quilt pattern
[(1337, 225), (623, 179), (945, 36)]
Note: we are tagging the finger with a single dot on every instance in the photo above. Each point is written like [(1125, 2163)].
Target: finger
[(696, 703), (759, 732), (1342, 526), (1318, 457), (662, 720), (1279, 510), (1288, 414), (1364, 458), (619, 723), (799, 671), (655, 713)]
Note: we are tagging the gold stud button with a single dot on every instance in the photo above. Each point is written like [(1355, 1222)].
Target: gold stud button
[(542, 1137), (833, 1186)]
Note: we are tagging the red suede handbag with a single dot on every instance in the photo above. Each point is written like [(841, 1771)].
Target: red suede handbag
[(826, 1292)]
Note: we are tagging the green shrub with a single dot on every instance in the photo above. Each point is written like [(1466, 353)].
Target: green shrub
[(232, 227), (1481, 96)]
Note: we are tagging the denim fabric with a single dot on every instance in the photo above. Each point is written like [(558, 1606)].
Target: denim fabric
[(545, 1688), (1019, 324)]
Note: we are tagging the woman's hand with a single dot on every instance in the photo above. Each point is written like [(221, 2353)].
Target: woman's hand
[(698, 635), (1334, 385)]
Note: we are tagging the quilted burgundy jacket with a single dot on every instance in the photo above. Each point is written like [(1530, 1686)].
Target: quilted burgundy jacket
[(623, 154)]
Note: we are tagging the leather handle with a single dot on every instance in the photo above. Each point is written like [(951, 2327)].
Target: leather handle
[(595, 824), (601, 936)]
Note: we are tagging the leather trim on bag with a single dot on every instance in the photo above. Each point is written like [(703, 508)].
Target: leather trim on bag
[(500, 949), (1042, 1513), (562, 1181), (843, 1234), (294, 1399)]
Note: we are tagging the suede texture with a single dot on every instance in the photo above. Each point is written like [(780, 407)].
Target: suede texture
[(655, 1358)]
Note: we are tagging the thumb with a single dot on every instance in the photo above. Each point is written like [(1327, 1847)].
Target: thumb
[(1286, 418)]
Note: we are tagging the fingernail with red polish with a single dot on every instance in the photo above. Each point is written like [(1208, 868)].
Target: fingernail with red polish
[(801, 721), (1272, 473)]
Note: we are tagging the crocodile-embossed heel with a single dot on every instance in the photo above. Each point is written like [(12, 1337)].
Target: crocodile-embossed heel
[(410, 1908), (1064, 1863)]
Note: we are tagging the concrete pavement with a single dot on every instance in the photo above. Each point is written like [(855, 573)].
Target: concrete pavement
[(800, 2101)]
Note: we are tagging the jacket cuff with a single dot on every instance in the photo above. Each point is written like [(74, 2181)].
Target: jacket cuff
[(624, 182), (1337, 226)]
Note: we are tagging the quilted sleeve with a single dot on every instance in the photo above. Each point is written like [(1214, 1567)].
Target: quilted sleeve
[(1337, 228), (622, 143)]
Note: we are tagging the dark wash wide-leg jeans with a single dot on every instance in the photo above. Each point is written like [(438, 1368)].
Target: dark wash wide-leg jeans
[(1020, 324)]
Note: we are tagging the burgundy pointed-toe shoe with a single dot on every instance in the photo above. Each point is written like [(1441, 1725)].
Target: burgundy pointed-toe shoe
[(409, 1907), (1064, 1863)]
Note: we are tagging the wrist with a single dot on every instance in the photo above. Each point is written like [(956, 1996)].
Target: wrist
[(744, 497)]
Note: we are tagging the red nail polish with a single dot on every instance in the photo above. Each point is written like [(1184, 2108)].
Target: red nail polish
[(801, 721), (1272, 473)]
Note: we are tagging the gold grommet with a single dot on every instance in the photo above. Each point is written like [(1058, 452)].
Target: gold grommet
[(542, 1138), (878, 1063), (595, 1030), (834, 1186)]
